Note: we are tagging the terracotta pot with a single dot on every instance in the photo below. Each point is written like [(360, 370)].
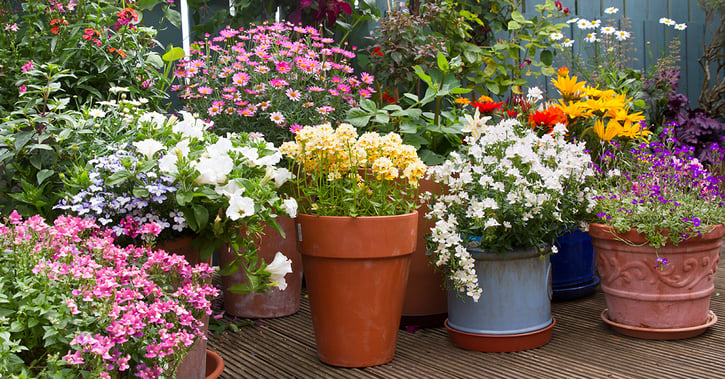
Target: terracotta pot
[(356, 270), (640, 296), (214, 365), (275, 302), (426, 303), (194, 364)]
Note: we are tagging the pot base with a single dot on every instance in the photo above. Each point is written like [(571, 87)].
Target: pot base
[(660, 334), (501, 343), (576, 292), (423, 321)]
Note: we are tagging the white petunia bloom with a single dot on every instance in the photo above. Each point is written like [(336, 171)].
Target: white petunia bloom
[(214, 170), (281, 176), (290, 206), (280, 266), (148, 147), (190, 126), (239, 207)]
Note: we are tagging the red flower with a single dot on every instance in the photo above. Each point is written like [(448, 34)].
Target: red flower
[(376, 51), (117, 51), (128, 13), (512, 113), (389, 99), (487, 107), (547, 118), (60, 21)]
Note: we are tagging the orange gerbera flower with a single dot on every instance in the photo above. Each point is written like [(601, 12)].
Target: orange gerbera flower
[(546, 120)]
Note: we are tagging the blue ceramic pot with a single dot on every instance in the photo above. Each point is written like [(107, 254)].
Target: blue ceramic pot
[(516, 296), (573, 269)]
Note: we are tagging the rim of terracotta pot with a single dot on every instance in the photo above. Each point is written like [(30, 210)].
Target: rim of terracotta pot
[(214, 365), (305, 215), (633, 236)]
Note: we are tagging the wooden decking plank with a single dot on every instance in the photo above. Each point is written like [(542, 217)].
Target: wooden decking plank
[(583, 346)]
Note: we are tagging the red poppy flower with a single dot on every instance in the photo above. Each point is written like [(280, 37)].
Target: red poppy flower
[(487, 107), (547, 118)]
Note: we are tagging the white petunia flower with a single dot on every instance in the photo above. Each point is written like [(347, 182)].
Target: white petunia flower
[(280, 266), (240, 207), (148, 147), (290, 206)]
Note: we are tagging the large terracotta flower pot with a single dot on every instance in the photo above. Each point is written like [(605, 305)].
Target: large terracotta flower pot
[(275, 302), (194, 364), (426, 303), (668, 302), (356, 270), (514, 310)]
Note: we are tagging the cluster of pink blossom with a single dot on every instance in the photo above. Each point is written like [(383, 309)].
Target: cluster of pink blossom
[(274, 78), (148, 305)]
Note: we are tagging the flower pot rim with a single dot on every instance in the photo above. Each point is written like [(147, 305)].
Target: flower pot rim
[(305, 215), (604, 231), (520, 253)]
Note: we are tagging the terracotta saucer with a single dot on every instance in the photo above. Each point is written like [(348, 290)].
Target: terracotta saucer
[(501, 343), (660, 334)]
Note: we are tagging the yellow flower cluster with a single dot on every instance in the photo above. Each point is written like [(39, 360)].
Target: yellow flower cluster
[(335, 153), (606, 112)]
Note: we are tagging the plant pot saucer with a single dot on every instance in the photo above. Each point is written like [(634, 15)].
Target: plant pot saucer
[(501, 343), (660, 334), (576, 292)]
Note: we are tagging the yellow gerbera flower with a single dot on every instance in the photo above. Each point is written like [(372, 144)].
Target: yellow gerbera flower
[(568, 87), (612, 130), (573, 109)]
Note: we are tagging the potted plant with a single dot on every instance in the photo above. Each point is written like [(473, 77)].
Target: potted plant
[(657, 232), (510, 194), (356, 231), (82, 306)]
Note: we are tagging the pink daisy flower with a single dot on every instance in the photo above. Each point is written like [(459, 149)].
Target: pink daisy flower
[(293, 95), (277, 118), (295, 128), (204, 90)]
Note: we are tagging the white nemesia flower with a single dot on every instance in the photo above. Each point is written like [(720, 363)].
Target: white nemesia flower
[(611, 10), (280, 266), (535, 94), (148, 147)]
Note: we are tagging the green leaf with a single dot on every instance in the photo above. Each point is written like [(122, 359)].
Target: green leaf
[(358, 117), (173, 16), (493, 87), (22, 138), (422, 75), (117, 178), (44, 174), (140, 192), (154, 59), (174, 54), (201, 214), (546, 57), (518, 17), (442, 62), (183, 198), (382, 118), (240, 288), (513, 25), (368, 105)]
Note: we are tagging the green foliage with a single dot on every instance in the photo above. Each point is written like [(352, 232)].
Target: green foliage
[(433, 133), (98, 44)]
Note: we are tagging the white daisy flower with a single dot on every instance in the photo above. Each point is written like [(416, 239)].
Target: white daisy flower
[(611, 10), (556, 36), (681, 26), (607, 30), (622, 35)]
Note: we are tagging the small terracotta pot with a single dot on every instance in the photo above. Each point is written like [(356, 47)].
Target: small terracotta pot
[(214, 365), (638, 295), (274, 302), (356, 270), (194, 364), (426, 303)]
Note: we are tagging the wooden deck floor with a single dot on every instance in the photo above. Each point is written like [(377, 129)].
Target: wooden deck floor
[(582, 346)]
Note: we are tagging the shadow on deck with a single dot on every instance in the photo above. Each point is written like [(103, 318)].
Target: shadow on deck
[(583, 346)]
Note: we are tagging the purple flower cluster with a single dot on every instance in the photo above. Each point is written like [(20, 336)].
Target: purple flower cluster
[(660, 187), (140, 309), (271, 78), (116, 206)]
